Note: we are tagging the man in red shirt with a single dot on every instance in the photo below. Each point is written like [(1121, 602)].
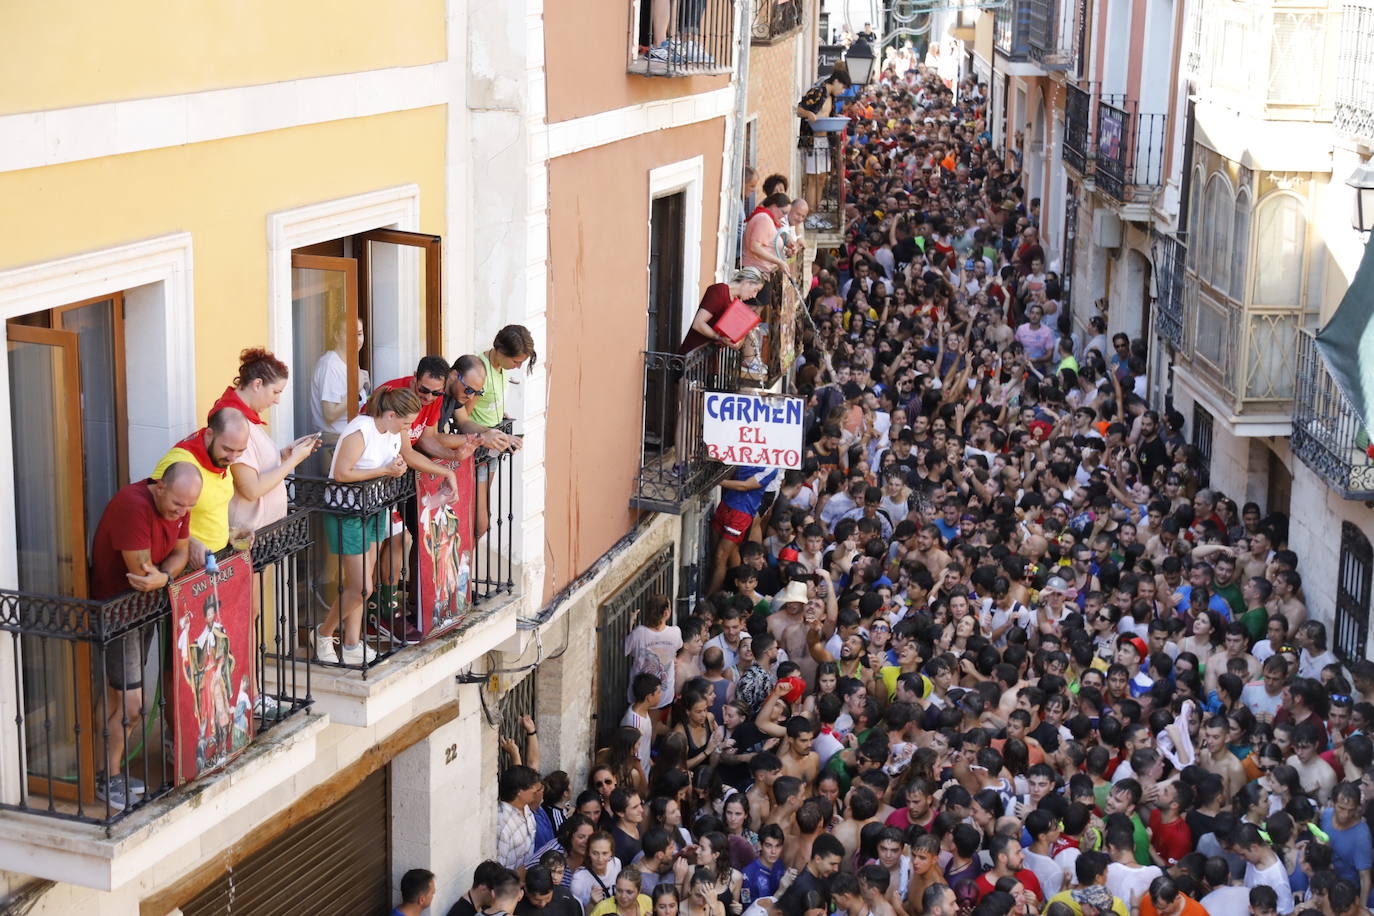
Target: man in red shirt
[(428, 385), (1170, 837), (143, 541), (1008, 859)]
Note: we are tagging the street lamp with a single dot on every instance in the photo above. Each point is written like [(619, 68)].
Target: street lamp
[(1362, 180), (860, 60)]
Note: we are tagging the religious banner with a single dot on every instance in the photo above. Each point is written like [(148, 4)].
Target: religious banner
[(444, 570), (213, 662)]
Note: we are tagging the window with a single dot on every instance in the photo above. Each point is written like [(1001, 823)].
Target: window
[(1202, 441), (1282, 233), (1353, 594), (1240, 243), (1194, 215), (1218, 214), (1296, 44)]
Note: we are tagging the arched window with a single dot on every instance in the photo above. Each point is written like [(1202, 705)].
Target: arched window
[(1282, 233), (1240, 244), (1217, 217), (1194, 217)]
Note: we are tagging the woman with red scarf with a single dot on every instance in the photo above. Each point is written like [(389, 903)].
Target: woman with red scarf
[(260, 473)]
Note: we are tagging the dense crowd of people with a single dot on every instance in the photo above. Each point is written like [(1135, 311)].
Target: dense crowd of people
[(995, 649)]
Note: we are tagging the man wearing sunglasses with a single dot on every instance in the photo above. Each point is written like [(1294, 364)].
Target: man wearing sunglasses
[(464, 384)]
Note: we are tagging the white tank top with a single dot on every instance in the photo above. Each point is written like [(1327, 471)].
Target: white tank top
[(379, 448)]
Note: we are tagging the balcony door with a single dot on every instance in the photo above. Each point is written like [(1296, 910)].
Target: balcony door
[(667, 239), (51, 547)]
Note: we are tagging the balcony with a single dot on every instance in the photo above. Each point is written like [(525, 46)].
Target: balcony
[(673, 467), (1011, 30), (1169, 253), (775, 20), (825, 167), (1328, 435), (1129, 153), (63, 732), (1077, 148), (1241, 362), (1044, 44), (700, 42), (1354, 112)]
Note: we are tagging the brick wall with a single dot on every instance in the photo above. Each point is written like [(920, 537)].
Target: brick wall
[(773, 96)]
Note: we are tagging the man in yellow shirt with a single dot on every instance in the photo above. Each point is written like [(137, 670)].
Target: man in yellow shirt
[(211, 449)]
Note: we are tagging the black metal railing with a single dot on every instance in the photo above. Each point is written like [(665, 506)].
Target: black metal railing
[(699, 39), (775, 19), (1354, 110), (673, 465), (1328, 435), (283, 598), (615, 620), (1169, 255), (1350, 633), (822, 158), (93, 679), (494, 523), (1129, 150), (1077, 113)]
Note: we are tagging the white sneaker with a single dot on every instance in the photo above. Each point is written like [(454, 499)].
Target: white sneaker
[(326, 648), (659, 53), (359, 655)]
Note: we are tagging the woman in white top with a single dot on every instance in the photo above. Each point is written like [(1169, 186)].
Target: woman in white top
[(594, 881), (370, 447), (260, 473)]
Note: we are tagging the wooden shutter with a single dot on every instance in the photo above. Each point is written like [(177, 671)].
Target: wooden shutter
[(335, 864)]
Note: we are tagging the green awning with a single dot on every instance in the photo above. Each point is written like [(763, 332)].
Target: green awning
[(1347, 341)]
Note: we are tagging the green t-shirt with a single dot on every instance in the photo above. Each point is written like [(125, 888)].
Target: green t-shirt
[(1142, 841), (490, 408), (1232, 596), (1256, 620)]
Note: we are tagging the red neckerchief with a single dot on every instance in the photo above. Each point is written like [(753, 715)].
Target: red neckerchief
[(829, 730), (762, 209), (231, 398), (195, 444)]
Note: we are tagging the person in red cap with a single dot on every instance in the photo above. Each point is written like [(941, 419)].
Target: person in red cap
[(1130, 653)]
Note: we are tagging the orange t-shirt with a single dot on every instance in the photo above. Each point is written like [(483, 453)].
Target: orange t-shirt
[(1190, 906)]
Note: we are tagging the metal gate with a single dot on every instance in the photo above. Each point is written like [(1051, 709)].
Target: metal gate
[(1352, 595), (696, 563), (516, 702), (337, 863), (1202, 441), (613, 625), (1070, 244)]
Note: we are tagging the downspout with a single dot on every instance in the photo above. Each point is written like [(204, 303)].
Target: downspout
[(743, 32)]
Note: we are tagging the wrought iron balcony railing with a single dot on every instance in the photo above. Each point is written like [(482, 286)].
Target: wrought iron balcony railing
[(1328, 435), (1169, 254), (1354, 112), (775, 20), (1129, 151), (700, 38), (823, 167), (1043, 40), (1077, 122), (673, 466), (74, 728)]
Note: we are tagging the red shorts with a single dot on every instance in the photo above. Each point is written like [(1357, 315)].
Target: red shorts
[(731, 524)]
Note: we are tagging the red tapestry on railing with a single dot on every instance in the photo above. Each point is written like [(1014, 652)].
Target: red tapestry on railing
[(445, 551), (213, 661)]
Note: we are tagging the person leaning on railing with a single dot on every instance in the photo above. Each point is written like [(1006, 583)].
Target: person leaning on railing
[(211, 450), (373, 445), (744, 285), (260, 472), (142, 542)]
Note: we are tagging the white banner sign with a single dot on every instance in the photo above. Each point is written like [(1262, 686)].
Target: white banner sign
[(760, 430)]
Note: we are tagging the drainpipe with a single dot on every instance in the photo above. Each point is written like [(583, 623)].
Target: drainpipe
[(743, 29)]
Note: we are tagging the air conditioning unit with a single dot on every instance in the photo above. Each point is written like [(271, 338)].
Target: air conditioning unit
[(1106, 229)]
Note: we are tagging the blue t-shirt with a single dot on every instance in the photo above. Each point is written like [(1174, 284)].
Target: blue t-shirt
[(947, 531), (748, 501), (1351, 849), (762, 881), (1215, 602)]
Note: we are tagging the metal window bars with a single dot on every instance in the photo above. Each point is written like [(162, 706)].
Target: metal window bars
[(1129, 150), (697, 40), (614, 623), (1169, 254), (774, 20)]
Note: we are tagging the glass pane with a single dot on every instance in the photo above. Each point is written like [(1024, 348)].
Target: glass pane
[(1273, 348), (1219, 270), (1209, 216), (319, 302), (1282, 232), (48, 529), (396, 308), (1211, 332), (1194, 214), (94, 325), (47, 520), (1240, 243)]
